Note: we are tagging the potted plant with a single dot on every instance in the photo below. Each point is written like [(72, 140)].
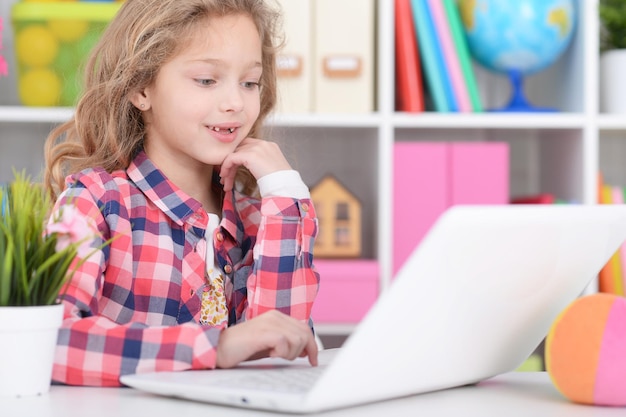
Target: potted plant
[(36, 253), (613, 55)]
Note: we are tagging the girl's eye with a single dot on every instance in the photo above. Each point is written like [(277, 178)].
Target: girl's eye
[(203, 81), (250, 84)]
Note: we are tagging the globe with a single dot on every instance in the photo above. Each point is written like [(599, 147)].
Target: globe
[(517, 37)]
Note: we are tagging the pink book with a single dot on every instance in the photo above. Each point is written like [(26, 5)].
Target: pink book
[(618, 195), (451, 59)]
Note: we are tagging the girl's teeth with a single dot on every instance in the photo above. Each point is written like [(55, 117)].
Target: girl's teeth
[(230, 129)]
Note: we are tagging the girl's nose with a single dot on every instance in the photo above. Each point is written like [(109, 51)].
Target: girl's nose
[(232, 99)]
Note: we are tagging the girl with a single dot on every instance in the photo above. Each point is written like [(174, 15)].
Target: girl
[(164, 159)]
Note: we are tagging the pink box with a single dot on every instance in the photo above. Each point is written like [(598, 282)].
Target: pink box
[(420, 193), (480, 173), (429, 177), (348, 288)]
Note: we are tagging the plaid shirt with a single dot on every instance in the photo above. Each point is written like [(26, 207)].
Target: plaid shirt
[(134, 305)]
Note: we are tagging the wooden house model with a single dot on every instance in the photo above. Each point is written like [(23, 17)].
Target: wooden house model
[(339, 215)]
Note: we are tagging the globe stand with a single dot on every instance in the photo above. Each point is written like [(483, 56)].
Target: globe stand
[(518, 102)]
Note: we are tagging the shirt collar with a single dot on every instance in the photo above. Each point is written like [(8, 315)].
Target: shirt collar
[(161, 191)]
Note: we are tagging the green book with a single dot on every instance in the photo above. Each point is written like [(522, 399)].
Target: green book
[(452, 12)]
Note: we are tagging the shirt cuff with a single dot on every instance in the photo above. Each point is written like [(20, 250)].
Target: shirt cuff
[(286, 183)]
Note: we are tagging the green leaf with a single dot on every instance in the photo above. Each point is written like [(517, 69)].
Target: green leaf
[(612, 24), (5, 283)]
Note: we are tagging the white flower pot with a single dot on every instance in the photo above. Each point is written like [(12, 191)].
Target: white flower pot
[(28, 337), (613, 81)]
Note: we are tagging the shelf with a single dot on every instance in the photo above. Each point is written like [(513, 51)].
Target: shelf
[(370, 120), (530, 121), (334, 329), (22, 114), (612, 122), (19, 114)]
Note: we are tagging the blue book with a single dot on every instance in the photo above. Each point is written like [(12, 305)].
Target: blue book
[(437, 78)]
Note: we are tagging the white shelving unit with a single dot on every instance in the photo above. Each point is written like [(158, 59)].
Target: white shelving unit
[(559, 153)]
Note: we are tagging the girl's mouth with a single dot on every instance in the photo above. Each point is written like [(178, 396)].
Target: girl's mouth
[(224, 134), (219, 129)]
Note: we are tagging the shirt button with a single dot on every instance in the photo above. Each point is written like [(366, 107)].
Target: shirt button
[(219, 237), (305, 207), (191, 292), (228, 269)]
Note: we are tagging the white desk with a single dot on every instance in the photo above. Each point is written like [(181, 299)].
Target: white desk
[(508, 395)]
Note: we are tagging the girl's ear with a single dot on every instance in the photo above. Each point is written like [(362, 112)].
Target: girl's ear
[(140, 100)]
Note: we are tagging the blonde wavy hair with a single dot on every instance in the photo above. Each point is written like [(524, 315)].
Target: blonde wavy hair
[(106, 130)]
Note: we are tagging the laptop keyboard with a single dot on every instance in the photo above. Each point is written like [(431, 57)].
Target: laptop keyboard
[(287, 379)]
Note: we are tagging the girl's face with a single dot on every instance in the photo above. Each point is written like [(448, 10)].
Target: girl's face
[(205, 100)]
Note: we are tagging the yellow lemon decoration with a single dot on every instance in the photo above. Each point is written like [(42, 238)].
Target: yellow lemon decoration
[(36, 46), (39, 87), (68, 30), (52, 43)]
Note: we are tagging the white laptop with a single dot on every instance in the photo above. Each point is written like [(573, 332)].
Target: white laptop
[(473, 300)]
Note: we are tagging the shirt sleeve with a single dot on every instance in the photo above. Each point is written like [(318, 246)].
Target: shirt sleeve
[(283, 276), (93, 349), (287, 183)]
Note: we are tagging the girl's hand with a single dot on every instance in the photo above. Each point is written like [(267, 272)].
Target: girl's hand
[(272, 334), (261, 157)]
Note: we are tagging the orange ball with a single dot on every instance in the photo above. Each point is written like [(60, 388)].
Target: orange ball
[(585, 350)]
